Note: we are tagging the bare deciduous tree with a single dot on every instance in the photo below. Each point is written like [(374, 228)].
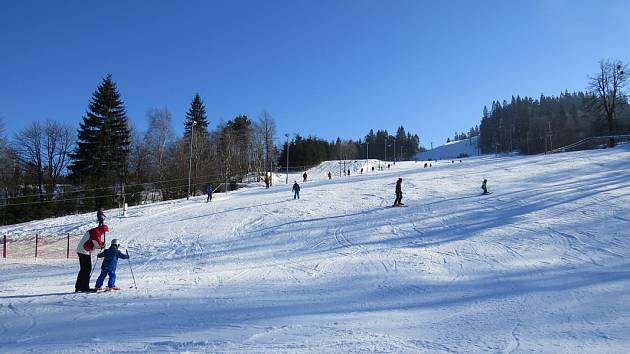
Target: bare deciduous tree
[(608, 87), (29, 146), (267, 130), (158, 137), (58, 143), (44, 149)]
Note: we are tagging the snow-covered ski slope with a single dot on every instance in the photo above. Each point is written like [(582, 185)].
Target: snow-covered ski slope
[(541, 265), (451, 150)]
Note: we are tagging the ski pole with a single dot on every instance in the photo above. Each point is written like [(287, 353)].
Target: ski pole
[(130, 268), (93, 267)]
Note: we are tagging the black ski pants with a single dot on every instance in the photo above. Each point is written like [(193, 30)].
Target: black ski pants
[(83, 279), (398, 199)]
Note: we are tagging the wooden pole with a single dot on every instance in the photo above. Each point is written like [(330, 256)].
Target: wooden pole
[(68, 247), (36, 243)]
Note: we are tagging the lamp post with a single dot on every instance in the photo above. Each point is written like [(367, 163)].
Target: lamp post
[(385, 159), (367, 156), (192, 136), (394, 151), (287, 179)]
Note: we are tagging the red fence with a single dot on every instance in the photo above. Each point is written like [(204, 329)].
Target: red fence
[(39, 246)]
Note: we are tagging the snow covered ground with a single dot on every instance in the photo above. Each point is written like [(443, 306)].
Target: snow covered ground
[(540, 265), (451, 150)]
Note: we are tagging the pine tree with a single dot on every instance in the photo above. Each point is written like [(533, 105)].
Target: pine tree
[(101, 155), (196, 113)]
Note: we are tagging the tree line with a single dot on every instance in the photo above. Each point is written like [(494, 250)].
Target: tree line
[(532, 126), (304, 152), (51, 168)]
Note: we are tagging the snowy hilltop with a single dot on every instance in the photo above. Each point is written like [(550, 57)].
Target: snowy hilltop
[(452, 150), (540, 265)]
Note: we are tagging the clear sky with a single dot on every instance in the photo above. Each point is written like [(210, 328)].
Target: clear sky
[(327, 68)]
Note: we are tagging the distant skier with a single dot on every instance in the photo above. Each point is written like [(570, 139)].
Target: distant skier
[(296, 190), (388, 166), (484, 187), (372, 168), (92, 239), (397, 201), (361, 170), (266, 182), (209, 191), (329, 175), (108, 267), (100, 216), (348, 172), (304, 176), (425, 165)]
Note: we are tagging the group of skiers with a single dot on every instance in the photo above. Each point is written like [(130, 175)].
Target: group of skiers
[(91, 243), (94, 240)]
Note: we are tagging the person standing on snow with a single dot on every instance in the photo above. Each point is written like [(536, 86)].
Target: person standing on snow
[(108, 267), (483, 186), (397, 201), (93, 239), (209, 191), (266, 182), (296, 190), (100, 215), (304, 176)]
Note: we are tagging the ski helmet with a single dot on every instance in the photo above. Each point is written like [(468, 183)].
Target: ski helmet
[(115, 242)]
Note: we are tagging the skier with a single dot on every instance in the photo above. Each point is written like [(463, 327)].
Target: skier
[(348, 172), (266, 182), (296, 190), (397, 201), (389, 165), (483, 186), (372, 168), (209, 191), (329, 175), (100, 215), (361, 170), (425, 165), (108, 268), (91, 240), (304, 176)]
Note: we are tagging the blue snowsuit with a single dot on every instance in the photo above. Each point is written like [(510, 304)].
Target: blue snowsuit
[(296, 191), (108, 268), (209, 191)]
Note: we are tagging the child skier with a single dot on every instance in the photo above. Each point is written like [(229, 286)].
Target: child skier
[(483, 186), (397, 201), (108, 268), (100, 215), (296, 190)]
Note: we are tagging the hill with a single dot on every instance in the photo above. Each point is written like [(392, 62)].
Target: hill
[(451, 150), (540, 265)]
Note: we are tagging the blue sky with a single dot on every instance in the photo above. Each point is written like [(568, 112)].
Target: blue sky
[(326, 68)]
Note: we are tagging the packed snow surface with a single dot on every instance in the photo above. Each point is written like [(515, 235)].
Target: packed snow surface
[(452, 150), (540, 265)]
